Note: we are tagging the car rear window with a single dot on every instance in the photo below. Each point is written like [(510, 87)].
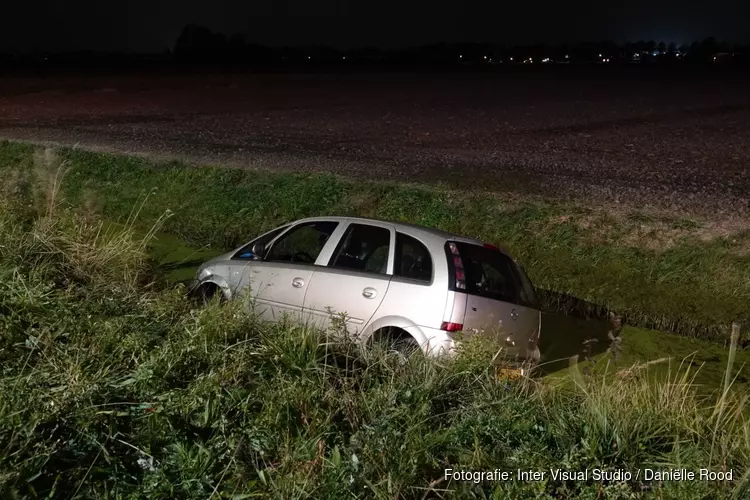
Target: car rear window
[(527, 291), (492, 274)]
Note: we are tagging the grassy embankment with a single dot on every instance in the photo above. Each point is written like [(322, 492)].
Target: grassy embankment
[(114, 386), (659, 273), (662, 273)]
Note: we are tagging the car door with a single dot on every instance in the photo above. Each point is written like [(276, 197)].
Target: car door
[(356, 278), (278, 283)]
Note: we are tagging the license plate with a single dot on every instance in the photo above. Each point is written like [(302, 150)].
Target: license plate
[(510, 373)]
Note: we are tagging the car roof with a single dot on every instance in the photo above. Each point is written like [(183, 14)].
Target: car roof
[(412, 229)]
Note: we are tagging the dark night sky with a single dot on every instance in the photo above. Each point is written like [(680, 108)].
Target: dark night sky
[(151, 25)]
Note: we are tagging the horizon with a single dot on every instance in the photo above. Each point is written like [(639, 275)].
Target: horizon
[(140, 27), (228, 39)]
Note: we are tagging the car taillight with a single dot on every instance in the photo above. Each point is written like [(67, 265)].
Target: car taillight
[(451, 327), (491, 247), (458, 266)]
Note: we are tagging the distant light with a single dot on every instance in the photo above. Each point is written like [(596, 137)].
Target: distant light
[(309, 57), (485, 57), (600, 55), (567, 56), (461, 56), (344, 58), (511, 58)]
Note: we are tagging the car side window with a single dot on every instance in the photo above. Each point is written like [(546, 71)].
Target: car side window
[(413, 260), (302, 243), (363, 248), (246, 252)]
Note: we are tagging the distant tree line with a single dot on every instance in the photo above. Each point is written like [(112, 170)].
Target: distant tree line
[(199, 45)]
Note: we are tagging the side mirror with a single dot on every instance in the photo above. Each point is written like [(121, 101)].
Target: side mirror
[(258, 249)]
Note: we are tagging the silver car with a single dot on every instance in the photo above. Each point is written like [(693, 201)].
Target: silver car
[(398, 283)]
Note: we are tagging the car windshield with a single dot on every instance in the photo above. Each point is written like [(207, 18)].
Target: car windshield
[(246, 252)]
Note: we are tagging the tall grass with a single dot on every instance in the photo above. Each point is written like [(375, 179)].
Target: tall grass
[(114, 386), (590, 261)]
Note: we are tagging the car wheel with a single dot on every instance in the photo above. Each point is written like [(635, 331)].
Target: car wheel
[(400, 344), (206, 292)]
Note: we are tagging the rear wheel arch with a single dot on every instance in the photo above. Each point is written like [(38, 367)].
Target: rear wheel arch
[(389, 332), (396, 340), (383, 323)]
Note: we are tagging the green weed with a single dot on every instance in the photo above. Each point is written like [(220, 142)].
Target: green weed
[(117, 386)]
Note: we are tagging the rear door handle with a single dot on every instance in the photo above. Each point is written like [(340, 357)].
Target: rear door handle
[(298, 282), (369, 293)]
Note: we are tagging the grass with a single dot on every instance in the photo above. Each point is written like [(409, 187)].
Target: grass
[(172, 257), (116, 385), (659, 272), (563, 336), (178, 251)]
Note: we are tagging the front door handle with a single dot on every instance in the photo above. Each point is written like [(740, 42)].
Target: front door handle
[(369, 293), (298, 282)]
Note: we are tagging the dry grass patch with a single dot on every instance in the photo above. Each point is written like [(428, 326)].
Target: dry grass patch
[(657, 232)]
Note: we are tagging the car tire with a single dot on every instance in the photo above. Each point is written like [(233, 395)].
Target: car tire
[(204, 293), (399, 343)]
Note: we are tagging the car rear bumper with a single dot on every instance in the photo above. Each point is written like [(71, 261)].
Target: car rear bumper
[(434, 342), (439, 343)]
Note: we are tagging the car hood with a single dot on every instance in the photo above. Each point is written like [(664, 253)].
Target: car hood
[(219, 259)]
